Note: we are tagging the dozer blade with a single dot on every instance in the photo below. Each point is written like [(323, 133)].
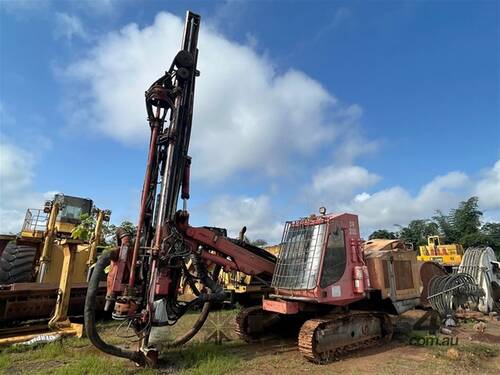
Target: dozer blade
[(326, 339), (9, 336), (29, 301)]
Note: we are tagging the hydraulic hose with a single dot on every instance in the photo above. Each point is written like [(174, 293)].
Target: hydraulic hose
[(89, 316), (200, 321)]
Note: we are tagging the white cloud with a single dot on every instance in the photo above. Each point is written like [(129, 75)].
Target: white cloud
[(362, 197), (98, 7), (21, 7), (16, 191), (335, 183), (396, 205), (248, 116), (256, 213), (353, 145), (16, 170), (336, 188), (68, 27), (488, 188)]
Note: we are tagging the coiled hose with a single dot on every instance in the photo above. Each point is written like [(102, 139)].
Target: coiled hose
[(217, 294), (447, 293)]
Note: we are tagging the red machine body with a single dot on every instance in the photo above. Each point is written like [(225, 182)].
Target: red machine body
[(320, 259)]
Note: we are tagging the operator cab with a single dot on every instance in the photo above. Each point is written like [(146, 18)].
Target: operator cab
[(318, 260), (71, 211), (69, 216), (434, 241)]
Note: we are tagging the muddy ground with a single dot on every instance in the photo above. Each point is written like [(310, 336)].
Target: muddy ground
[(474, 352)]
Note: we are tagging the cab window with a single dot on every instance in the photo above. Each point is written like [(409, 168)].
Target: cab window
[(334, 261)]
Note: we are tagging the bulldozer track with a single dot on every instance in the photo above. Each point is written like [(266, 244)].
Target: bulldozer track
[(242, 323), (311, 336)]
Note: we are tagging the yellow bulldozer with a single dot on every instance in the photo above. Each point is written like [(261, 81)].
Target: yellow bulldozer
[(246, 289), (447, 255), (44, 271)]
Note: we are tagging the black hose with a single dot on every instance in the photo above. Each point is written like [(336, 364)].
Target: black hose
[(89, 316), (200, 321), (217, 291), (138, 356)]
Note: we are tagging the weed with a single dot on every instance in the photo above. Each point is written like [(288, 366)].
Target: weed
[(4, 362), (198, 358), (470, 356), (89, 364)]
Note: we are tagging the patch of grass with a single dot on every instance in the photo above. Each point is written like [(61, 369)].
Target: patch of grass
[(4, 362), (419, 334), (481, 350), (398, 366), (213, 365), (470, 356), (42, 351), (88, 364), (77, 356), (203, 358)]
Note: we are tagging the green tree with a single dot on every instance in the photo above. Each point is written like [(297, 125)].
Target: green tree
[(446, 227), (417, 231), (129, 227), (383, 233), (84, 230), (463, 224), (491, 231), (466, 219), (259, 242)]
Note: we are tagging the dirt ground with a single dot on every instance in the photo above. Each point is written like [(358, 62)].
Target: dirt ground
[(473, 352)]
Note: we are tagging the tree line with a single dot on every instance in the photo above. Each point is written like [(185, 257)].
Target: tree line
[(461, 225)]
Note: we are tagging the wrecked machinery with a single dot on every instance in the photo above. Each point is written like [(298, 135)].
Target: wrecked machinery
[(321, 280), (44, 271)]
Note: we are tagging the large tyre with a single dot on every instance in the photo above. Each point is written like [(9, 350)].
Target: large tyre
[(16, 264)]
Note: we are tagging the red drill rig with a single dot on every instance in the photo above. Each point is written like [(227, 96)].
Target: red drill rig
[(321, 272), (336, 296), (144, 278)]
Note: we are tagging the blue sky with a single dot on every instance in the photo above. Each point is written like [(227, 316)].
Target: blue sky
[(386, 109)]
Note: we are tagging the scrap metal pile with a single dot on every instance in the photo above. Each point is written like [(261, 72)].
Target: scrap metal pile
[(448, 293)]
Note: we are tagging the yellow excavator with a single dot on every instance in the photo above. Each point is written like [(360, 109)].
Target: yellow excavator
[(447, 255), (44, 271)]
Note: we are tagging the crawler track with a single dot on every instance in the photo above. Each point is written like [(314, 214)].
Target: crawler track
[(326, 339), (253, 324), (242, 320)]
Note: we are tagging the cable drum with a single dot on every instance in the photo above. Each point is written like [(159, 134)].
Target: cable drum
[(447, 293), (482, 265)]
